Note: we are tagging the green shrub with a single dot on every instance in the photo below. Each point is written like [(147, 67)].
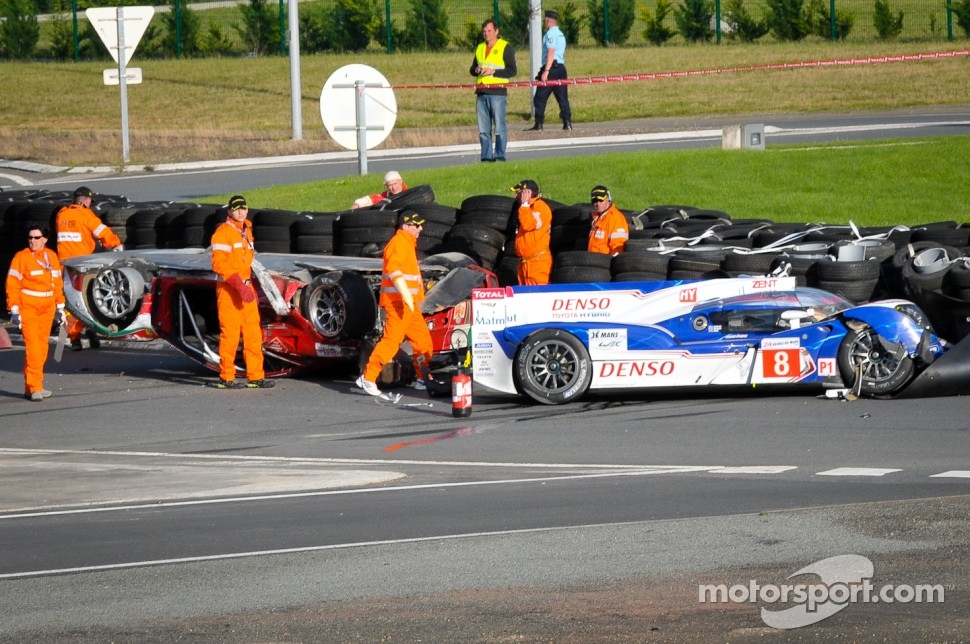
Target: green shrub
[(693, 18), (887, 25), (346, 25), (181, 37), (260, 31), (61, 37), (787, 20), (744, 26), (622, 14), (656, 33), (19, 31), (962, 11), (216, 42), (426, 28), (570, 22), (514, 26), (820, 20)]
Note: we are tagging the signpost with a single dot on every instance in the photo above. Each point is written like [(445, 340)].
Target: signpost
[(358, 109), (120, 29)]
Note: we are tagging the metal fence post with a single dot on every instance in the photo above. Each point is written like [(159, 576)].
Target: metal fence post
[(389, 45), (717, 20), (77, 38), (283, 28), (606, 22), (178, 28), (949, 20), (832, 19)]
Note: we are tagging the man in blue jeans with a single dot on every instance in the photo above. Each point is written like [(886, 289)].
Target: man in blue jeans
[(493, 66)]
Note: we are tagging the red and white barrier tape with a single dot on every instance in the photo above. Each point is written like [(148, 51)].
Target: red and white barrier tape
[(590, 80)]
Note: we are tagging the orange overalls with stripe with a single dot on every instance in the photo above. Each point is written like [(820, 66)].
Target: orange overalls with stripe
[(609, 232), (35, 284), (77, 229), (400, 260), (532, 242), (232, 253)]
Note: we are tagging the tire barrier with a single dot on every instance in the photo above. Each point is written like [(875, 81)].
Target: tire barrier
[(928, 264)]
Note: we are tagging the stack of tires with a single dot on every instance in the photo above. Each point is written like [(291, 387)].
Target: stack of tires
[(313, 233), (482, 225)]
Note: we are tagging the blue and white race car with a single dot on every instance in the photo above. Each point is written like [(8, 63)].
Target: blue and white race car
[(554, 343)]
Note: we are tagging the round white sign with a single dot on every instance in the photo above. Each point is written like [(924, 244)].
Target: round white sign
[(338, 106)]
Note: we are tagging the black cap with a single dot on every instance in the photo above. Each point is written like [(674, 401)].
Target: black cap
[(83, 191), (600, 193), (526, 183), (413, 218), (552, 14), (237, 202)]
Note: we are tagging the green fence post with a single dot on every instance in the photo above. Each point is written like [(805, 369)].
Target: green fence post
[(77, 39), (178, 28), (389, 45), (495, 14), (832, 18), (949, 20), (717, 20), (606, 22), (283, 28)]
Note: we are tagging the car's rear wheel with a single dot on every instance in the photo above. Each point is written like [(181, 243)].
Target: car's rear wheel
[(553, 367), (115, 294), (883, 371), (340, 305)]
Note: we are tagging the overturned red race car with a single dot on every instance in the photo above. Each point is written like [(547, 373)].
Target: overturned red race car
[(317, 312)]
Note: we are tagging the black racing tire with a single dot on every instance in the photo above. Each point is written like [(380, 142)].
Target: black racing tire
[(486, 202), (584, 259), (494, 219), (115, 294), (639, 276), (553, 367), (366, 219), (313, 244), (882, 372), (339, 305), (867, 269), (315, 223), (478, 234), (366, 235), (578, 274), (856, 292), (749, 263), (640, 261)]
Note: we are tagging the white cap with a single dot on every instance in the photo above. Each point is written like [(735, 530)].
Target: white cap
[(393, 175)]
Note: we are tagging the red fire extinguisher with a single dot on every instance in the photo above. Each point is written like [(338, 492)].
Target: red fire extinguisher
[(461, 389)]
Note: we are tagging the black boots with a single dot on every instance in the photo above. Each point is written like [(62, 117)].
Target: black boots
[(567, 125), (534, 128)]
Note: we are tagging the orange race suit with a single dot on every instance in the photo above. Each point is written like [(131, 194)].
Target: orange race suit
[(232, 254), (400, 260), (532, 242), (609, 232), (35, 289), (78, 229)]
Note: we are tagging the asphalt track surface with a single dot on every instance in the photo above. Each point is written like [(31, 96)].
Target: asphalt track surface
[(138, 504)]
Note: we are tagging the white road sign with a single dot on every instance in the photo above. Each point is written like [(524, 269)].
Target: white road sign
[(132, 76), (105, 22)]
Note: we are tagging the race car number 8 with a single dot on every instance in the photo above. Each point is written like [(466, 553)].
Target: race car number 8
[(780, 363)]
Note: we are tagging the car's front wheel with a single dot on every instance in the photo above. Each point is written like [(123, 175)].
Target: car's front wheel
[(340, 305), (883, 371), (553, 367), (115, 294)]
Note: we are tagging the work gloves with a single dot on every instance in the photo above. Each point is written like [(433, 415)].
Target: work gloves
[(118, 248), (61, 316), (245, 291), (15, 315)]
